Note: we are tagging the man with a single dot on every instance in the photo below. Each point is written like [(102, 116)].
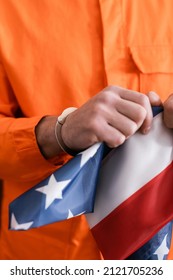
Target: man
[(60, 54)]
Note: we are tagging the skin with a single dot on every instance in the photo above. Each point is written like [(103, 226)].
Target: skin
[(111, 116), (168, 112)]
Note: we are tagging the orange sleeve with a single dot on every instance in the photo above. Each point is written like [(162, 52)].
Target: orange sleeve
[(170, 255), (20, 157)]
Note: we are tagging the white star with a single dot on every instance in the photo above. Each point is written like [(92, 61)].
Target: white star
[(53, 190), (15, 225), (89, 153), (162, 250), (70, 214)]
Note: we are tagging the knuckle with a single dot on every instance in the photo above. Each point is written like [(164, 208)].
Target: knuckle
[(109, 95), (105, 96), (98, 109), (113, 88)]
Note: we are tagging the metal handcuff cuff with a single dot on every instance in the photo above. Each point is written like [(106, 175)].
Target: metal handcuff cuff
[(58, 126)]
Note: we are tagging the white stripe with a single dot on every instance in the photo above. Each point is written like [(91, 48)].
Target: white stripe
[(127, 168)]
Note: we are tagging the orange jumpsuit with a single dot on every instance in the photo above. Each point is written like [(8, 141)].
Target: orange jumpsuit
[(56, 54)]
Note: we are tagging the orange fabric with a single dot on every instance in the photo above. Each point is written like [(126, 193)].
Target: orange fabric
[(55, 54), (138, 44), (47, 63), (170, 255)]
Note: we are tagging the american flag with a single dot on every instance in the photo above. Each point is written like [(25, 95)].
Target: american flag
[(126, 197)]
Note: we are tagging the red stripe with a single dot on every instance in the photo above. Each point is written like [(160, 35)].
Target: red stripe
[(137, 219)]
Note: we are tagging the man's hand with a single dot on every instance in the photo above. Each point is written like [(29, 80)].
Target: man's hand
[(168, 112), (111, 116)]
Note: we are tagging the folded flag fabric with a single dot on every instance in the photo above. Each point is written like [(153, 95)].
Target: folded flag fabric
[(134, 193), (66, 193), (132, 201)]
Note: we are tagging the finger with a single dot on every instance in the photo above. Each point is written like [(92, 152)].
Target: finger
[(132, 111), (168, 112), (122, 123), (143, 100), (154, 98), (169, 99), (111, 136)]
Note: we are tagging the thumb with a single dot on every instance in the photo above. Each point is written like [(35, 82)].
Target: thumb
[(154, 98)]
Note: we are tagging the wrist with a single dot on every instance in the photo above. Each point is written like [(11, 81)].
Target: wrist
[(45, 137), (58, 131)]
